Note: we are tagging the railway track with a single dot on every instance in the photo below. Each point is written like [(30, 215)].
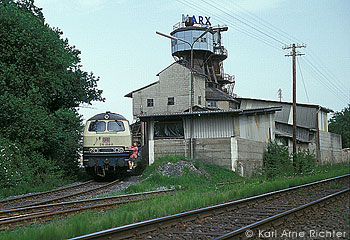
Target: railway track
[(23, 216), (252, 230), (57, 195), (234, 217), (7, 203)]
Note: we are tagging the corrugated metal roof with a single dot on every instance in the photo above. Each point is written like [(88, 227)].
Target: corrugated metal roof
[(218, 95), (237, 111), (283, 102), (306, 114)]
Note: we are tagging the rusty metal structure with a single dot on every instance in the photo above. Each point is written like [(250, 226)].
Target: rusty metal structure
[(208, 52)]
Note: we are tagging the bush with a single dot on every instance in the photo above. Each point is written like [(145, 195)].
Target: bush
[(42, 85), (277, 161), (13, 169), (305, 161), (18, 168)]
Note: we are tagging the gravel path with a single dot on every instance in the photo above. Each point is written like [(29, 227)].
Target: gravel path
[(227, 221), (331, 221)]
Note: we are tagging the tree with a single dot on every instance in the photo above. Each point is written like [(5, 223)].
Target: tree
[(41, 86), (340, 124)]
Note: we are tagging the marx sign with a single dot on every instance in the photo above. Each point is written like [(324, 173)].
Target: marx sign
[(195, 20)]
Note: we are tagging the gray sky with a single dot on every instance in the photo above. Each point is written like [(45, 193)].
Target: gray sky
[(118, 43)]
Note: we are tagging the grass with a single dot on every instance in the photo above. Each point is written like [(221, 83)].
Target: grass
[(49, 184), (196, 191)]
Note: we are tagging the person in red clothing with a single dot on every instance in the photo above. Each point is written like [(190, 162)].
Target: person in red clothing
[(133, 156)]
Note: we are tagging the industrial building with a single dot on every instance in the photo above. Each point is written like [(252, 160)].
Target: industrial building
[(191, 110)]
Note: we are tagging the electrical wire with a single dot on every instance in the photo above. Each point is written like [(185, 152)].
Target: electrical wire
[(324, 77), (317, 77), (232, 25), (302, 77), (258, 31), (245, 23)]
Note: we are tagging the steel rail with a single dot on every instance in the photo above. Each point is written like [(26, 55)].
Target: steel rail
[(54, 206), (129, 230), (70, 196), (235, 234), (22, 198), (45, 214)]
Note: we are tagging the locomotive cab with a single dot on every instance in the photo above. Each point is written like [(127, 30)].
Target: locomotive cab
[(107, 138)]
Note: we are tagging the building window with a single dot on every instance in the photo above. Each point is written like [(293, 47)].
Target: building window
[(149, 102), (173, 129), (232, 105), (171, 101), (199, 100), (212, 104)]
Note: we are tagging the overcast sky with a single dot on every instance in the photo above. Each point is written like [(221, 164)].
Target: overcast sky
[(118, 43)]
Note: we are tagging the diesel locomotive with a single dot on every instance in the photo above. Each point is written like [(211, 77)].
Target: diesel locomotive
[(106, 145)]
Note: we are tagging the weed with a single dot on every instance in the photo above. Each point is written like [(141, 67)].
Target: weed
[(197, 191), (335, 185)]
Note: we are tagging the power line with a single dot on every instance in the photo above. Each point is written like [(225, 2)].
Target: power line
[(301, 74), (336, 88), (232, 25), (325, 84), (264, 23), (258, 32), (321, 65), (243, 22)]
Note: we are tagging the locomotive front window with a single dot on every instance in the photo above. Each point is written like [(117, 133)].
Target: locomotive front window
[(98, 126), (116, 126)]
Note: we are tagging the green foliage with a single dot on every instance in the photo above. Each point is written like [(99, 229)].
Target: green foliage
[(42, 84), (340, 124), (205, 194), (277, 161), (305, 161)]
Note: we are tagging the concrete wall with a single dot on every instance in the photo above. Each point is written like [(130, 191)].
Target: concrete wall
[(216, 151), (346, 155), (330, 147), (139, 100), (236, 154), (175, 82), (247, 155), (164, 147)]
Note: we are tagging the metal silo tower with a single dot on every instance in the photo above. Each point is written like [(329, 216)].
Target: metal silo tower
[(209, 53)]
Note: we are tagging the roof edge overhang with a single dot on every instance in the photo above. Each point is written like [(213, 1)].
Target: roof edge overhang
[(202, 113), (288, 135), (298, 125), (298, 104), (129, 95)]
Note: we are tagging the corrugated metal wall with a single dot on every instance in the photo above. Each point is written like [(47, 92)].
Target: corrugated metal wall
[(257, 127), (306, 115), (219, 126)]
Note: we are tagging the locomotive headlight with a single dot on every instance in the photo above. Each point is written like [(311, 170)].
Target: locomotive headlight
[(118, 150)]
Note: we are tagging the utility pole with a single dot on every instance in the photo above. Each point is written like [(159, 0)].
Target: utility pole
[(293, 54), (280, 94)]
